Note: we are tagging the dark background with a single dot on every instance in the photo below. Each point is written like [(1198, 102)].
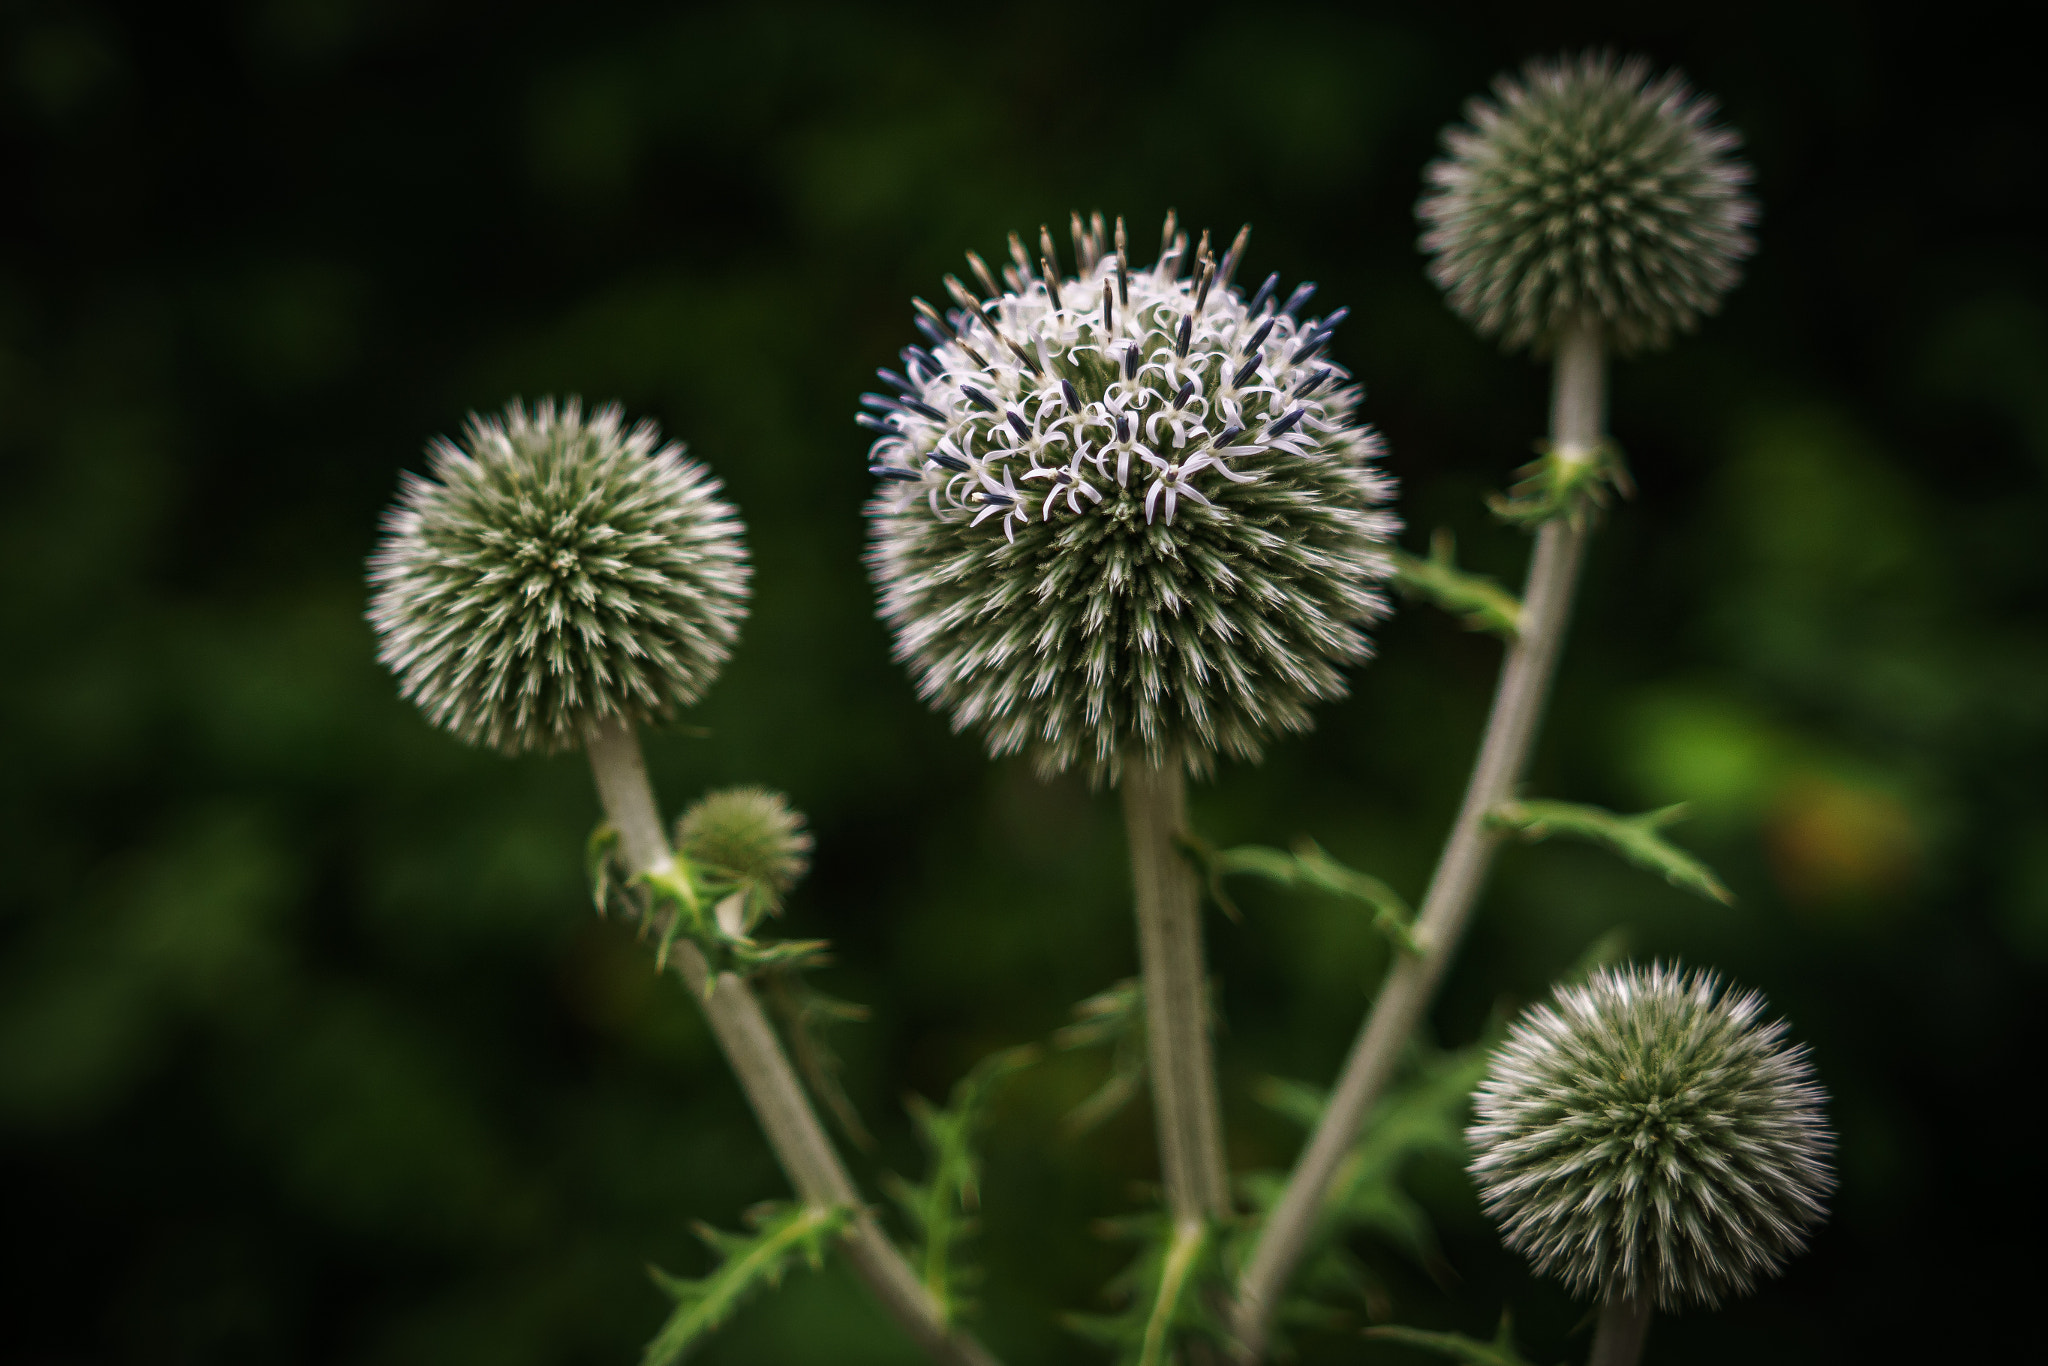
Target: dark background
[(310, 1047)]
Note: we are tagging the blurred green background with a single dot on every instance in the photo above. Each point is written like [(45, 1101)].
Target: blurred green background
[(310, 1047)]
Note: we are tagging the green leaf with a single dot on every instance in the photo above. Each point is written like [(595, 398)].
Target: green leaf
[(781, 1233), (682, 900), (1484, 604), (748, 956), (600, 855), (1500, 1352), (1639, 839), (1307, 867), (1564, 483), (940, 1207), (1176, 1279), (1423, 1113), (1162, 1290), (806, 1014), (1114, 1019)]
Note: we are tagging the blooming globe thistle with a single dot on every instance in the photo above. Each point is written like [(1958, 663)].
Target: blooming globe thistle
[(1586, 187), (1648, 1136), (556, 570), (1125, 511)]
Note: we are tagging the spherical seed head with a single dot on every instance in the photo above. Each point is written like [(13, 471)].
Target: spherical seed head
[(749, 833), (1583, 188), (555, 570), (1125, 511), (1648, 1136)]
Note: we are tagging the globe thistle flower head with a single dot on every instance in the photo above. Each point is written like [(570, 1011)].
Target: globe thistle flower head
[(750, 835), (1585, 188), (1126, 510), (1650, 1136), (556, 569)]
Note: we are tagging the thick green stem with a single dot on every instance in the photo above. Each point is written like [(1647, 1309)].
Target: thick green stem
[(1618, 1341), (1190, 1120), (1577, 417), (757, 1059)]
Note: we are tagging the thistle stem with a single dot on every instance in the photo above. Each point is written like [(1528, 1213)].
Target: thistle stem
[(750, 1045), (1618, 1341), (1176, 994), (1577, 417)]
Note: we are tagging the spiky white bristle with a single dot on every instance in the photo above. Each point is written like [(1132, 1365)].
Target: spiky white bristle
[(1585, 188), (1126, 510), (555, 570), (1648, 1136)]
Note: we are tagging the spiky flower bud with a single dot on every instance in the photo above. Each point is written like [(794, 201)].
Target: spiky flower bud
[(1587, 188), (750, 835), (1126, 510), (553, 571), (1648, 1136)]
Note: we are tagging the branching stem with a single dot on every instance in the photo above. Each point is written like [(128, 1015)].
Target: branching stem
[(755, 1053), (1176, 993), (1577, 417)]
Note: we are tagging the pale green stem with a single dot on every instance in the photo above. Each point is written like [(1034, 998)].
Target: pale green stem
[(1618, 1341), (1577, 420), (1168, 900), (755, 1054)]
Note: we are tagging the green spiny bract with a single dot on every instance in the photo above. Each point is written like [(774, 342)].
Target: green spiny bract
[(1126, 511), (556, 570), (751, 835), (1586, 188), (1646, 1136)]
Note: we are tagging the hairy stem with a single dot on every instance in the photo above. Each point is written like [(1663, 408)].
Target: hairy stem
[(1577, 416), (1618, 1341), (1176, 994), (755, 1053)]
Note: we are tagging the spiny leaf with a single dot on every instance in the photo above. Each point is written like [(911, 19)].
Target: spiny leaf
[(749, 956), (1162, 1289), (600, 852), (1308, 866), (1500, 1352), (1571, 484), (681, 900), (1114, 1018), (746, 1262), (805, 1014), (1423, 1113), (1639, 839), (1176, 1279), (1484, 604), (940, 1207)]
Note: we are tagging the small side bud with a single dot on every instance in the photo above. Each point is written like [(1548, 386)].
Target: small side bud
[(751, 835)]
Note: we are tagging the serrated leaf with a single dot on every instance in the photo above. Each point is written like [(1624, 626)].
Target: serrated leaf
[(600, 854), (941, 1207), (749, 956), (1500, 1352), (1308, 867), (1162, 1290), (1114, 1019), (806, 1014), (1559, 483), (782, 1233), (1638, 839), (1423, 1113), (1483, 603)]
